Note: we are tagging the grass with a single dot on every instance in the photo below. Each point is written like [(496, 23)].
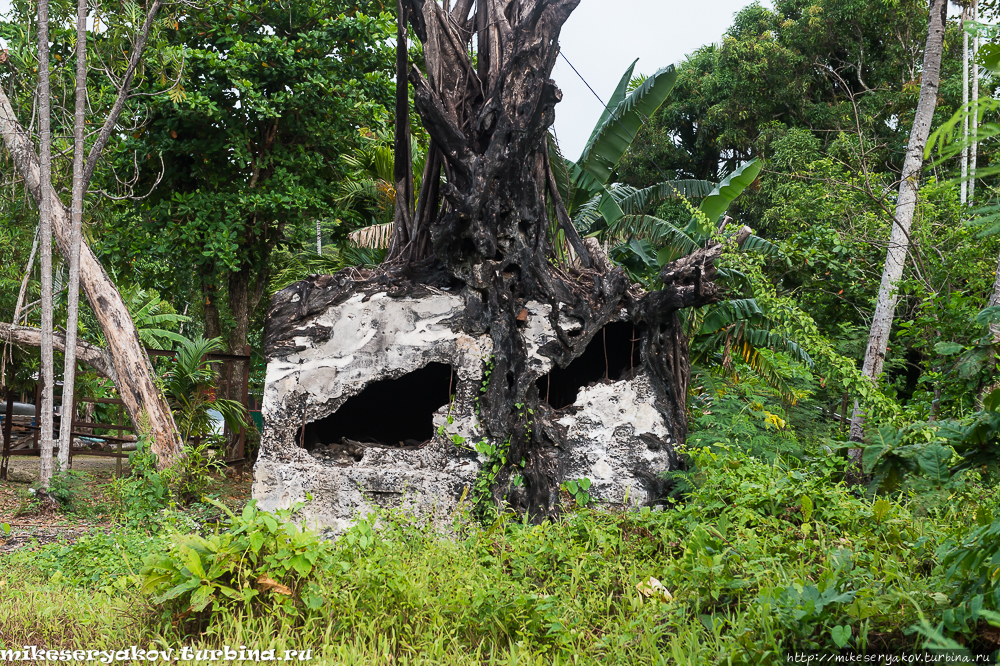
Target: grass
[(760, 558)]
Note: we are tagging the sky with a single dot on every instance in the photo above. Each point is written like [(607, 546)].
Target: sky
[(603, 37)]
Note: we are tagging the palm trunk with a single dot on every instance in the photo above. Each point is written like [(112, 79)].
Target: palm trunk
[(965, 104), (899, 241), (76, 235), (45, 232)]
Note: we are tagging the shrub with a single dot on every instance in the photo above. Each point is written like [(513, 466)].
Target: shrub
[(261, 561)]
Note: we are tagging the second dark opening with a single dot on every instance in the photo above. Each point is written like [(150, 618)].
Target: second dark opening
[(612, 354)]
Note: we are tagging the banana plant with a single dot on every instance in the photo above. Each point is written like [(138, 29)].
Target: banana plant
[(585, 185)]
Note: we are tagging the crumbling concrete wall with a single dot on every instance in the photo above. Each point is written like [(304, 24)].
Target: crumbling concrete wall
[(616, 436)]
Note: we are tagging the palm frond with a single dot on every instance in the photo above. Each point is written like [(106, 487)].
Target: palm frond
[(638, 200), (765, 339), (375, 236), (757, 244), (728, 313), (658, 232)]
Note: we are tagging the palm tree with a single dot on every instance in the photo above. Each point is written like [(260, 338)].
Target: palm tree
[(189, 385)]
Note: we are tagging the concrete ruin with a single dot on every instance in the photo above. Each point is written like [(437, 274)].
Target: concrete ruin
[(372, 400)]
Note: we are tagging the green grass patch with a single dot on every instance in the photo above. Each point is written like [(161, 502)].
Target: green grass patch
[(758, 558)]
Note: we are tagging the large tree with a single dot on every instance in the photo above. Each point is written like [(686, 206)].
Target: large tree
[(248, 147), (489, 219)]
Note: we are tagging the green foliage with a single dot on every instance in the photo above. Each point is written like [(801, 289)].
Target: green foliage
[(98, 560), (153, 318), (146, 492), (972, 563), (189, 385), (261, 561), (615, 131), (759, 558), (714, 206), (246, 141), (577, 488), (69, 488)]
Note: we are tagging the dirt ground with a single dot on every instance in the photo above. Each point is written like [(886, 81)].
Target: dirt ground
[(95, 510)]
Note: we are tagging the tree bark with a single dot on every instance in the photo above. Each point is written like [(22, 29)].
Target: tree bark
[(131, 365), (964, 192), (213, 322), (27, 277), (899, 241), (76, 235), (402, 171), (45, 232), (96, 357), (993, 302), (975, 106)]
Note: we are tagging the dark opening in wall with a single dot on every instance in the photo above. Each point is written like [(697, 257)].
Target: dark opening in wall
[(391, 412), (612, 354)]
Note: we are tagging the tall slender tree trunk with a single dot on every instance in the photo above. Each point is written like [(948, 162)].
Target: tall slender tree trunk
[(906, 202), (27, 277), (76, 236), (45, 232), (964, 196), (975, 106)]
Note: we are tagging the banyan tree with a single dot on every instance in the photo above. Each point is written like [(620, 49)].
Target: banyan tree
[(495, 356)]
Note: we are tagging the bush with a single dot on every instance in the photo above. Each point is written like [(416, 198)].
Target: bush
[(146, 492), (262, 561)]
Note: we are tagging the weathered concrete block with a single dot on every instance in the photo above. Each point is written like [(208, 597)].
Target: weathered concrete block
[(365, 400)]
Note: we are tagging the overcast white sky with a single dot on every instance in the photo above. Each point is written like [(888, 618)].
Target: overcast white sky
[(603, 37)]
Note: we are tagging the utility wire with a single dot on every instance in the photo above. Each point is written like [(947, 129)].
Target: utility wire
[(617, 120)]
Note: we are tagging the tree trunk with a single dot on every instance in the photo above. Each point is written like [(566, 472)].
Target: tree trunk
[(76, 236), (993, 302), (964, 192), (45, 232), (131, 365), (490, 232), (975, 106), (27, 277), (899, 241), (96, 357), (213, 323)]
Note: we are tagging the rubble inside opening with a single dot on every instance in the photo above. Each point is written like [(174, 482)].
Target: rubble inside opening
[(612, 354), (394, 413)]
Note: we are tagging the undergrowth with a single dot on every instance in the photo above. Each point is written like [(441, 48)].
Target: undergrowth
[(759, 557)]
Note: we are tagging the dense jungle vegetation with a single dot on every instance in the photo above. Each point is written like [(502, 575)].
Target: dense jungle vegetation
[(261, 140)]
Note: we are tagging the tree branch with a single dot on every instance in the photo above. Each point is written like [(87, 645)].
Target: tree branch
[(123, 90), (96, 357)]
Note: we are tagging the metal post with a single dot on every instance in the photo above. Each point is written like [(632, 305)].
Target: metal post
[(118, 460), (38, 411), (7, 424)]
